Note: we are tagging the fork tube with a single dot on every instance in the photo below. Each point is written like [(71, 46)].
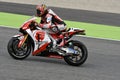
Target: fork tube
[(22, 41)]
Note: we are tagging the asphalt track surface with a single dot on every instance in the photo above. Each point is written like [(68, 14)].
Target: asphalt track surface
[(102, 63)]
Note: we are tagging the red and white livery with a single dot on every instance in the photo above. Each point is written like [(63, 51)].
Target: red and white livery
[(37, 41)]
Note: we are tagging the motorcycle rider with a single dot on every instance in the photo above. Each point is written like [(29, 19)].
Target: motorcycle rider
[(52, 22)]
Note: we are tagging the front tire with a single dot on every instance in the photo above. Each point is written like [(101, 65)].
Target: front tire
[(77, 60), (18, 53)]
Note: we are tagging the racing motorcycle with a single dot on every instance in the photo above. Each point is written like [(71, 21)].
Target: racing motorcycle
[(28, 42)]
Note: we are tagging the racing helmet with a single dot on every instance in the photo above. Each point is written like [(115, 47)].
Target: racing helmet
[(41, 9)]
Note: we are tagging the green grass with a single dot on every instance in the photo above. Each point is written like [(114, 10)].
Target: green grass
[(99, 31), (94, 30), (12, 20)]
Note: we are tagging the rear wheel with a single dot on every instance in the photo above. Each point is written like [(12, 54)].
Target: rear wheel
[(18, 53), (82, 54)]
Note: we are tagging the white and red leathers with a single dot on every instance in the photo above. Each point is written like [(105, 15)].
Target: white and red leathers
[(49, 20)]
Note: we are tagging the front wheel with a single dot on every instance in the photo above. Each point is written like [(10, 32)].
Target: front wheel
[(82, 54), (18, 53)]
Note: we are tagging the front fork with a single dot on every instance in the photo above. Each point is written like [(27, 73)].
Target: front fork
[(22, 40)]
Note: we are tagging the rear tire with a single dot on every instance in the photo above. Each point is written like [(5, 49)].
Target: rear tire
[(18, 53), (79, 59)]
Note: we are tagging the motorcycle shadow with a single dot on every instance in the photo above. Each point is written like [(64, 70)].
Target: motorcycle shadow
[(53, 61), (46, 60)]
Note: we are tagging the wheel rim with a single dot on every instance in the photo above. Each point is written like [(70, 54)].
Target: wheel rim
[(78, 57), (19, 52)]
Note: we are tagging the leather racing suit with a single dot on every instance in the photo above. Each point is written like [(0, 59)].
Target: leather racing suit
[(52, 24)]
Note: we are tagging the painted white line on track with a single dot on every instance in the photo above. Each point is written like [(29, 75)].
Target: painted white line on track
[(12, 27), (76, 35)]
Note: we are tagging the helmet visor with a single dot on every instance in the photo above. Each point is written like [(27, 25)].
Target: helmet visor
[(38, 12)]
